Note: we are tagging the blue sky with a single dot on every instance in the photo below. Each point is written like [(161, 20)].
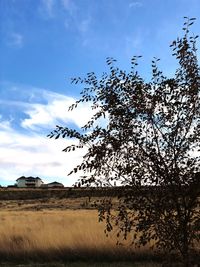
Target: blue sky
[(44, 43)]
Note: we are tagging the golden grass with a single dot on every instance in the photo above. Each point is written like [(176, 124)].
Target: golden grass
[(55, 235), (47, 230), (60, 229)]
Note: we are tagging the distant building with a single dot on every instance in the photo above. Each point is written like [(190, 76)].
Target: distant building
[(29, 182), (55, 184)]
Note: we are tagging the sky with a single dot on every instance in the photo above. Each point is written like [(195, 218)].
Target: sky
[(45, 43)]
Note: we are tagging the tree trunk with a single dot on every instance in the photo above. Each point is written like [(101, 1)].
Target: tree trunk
[(185, 249)]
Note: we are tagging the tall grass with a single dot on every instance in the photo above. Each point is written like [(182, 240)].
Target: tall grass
[(59, 235)]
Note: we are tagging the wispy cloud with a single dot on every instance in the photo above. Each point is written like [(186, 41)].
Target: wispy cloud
[(69, 6), (135, 4), (80, 21), (15, 39), (84, 25), (70, 13), (83, 28), (46, 8), (66, 3)]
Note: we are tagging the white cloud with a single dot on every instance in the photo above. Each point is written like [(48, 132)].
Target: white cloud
[(35, 155), (55, 111), (5, 125), (30, 152)]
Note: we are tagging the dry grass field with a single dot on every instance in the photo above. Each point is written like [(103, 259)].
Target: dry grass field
[(54, 235), (39, 232), (59, 230)]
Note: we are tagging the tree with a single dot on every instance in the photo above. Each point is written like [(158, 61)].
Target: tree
[(148, 144)]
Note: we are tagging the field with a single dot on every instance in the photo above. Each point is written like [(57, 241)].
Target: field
[(56, 231), (61, 230), (57, 235)]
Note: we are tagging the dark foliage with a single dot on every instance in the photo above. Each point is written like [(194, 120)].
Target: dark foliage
[(149, 142)]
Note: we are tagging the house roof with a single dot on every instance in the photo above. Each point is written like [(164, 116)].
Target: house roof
[(55, 183), (28, 178)]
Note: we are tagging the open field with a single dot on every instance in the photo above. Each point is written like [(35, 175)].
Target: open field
[(59, 235), (65, 231), (60, 229)]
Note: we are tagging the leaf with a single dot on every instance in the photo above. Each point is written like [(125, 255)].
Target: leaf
[(57, 136), (141, 135)]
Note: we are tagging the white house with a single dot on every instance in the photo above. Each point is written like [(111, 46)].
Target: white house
[(29, 182)]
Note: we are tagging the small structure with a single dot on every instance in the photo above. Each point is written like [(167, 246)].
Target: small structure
[(55, 185), (29, 181)]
